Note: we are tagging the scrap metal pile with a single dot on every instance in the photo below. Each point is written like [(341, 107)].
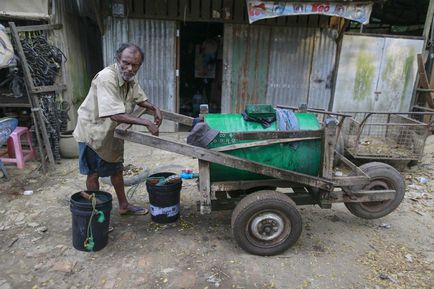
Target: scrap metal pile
[(44, 59), (56, 119)]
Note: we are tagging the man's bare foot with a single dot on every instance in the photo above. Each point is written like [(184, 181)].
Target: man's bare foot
[(133, 210)]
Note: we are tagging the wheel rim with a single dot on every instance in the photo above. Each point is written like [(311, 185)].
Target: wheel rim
[(268, 228), (377, 184)]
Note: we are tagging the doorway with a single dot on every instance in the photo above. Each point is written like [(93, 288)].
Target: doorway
[(200, 70)]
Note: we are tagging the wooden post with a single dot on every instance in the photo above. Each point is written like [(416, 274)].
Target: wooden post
[(204, 187), (328, 148), (428, 22), (204, 175), (328, 151)]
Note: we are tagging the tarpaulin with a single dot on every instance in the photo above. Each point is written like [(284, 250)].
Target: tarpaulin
[(32, 9), (6, 49)]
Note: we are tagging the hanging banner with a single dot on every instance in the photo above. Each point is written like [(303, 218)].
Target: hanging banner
[(355, 11)]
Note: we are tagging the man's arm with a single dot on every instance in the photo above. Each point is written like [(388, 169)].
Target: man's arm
[(158, 118), (127, 118)]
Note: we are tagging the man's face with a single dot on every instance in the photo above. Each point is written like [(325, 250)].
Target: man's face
[(129, 63)]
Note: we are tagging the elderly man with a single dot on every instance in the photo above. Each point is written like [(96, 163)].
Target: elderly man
[(111, 99)]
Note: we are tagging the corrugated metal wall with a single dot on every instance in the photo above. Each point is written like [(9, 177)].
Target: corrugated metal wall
[(290, 65), (323, 63), (250, 50), (157, 39), (277, 65)]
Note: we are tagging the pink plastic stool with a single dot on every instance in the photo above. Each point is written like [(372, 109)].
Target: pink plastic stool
[(15, 150)]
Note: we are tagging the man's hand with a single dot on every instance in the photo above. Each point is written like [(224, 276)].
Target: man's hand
[(153, 129), (158, 118), (129, 120)]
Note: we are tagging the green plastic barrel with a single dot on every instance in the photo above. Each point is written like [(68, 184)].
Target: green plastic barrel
[(303, 157)]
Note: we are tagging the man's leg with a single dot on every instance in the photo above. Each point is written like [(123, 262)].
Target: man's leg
[(117, 180), (118, 183), (92, 183)]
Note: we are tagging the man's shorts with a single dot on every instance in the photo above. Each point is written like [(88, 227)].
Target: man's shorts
[(90, 162)]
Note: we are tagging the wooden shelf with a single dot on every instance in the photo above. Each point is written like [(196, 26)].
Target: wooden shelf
[(10, 101)]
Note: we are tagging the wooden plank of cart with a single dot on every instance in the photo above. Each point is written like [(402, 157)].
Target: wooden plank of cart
[(267, 222)]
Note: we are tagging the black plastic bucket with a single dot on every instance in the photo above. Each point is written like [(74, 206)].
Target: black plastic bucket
[(81, 210), (164, 200)]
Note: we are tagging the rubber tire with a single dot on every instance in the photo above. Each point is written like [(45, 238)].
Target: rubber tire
[(393, 179), (259, 201)]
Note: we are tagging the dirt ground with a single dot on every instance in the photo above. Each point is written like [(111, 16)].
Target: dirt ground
[(335, 250)]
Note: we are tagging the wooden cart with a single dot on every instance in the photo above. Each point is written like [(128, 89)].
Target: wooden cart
[(267, 222)]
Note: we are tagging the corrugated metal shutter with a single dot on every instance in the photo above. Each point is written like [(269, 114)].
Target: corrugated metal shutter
[(157, 38), (277, 65), (376, 73)]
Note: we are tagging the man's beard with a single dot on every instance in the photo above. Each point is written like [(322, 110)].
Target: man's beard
[(127, 76)]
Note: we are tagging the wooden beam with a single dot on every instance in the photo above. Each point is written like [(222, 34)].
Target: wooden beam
[(423, 82), (223, 159), (176, 117), (353, 167), (245, 185), (306, 199), (15, 105), (258, 135), (428, 22), (261, 143), (49, 88), (315, 110), (300, 199), (29, 28), (362, 196), (167, 115), (350, 181)]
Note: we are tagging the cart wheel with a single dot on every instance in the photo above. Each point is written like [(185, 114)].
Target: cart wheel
[(266, 223), (385, 177)]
